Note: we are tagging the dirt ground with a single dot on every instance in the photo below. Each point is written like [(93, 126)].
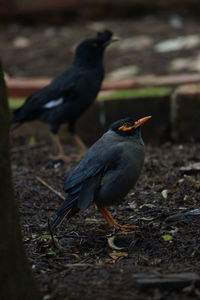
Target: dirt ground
[(85, 266), (48, 49)]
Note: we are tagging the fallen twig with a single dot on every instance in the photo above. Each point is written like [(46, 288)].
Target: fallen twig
[(50, 188), (55, 245)]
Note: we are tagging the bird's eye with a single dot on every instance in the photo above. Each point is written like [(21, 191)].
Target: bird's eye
[(95, 45), (126, 126)]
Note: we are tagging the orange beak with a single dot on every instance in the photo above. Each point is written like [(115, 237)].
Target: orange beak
[(141, 121), (135, 125)]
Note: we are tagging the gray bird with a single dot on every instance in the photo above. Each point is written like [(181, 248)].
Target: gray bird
[(107, 172)]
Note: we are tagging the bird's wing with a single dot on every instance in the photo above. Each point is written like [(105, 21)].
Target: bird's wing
[(92, 164), (50, 96), (86, 178), (84, 181)]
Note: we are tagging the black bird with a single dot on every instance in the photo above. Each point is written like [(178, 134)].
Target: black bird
[(66, 98), (107, 172)]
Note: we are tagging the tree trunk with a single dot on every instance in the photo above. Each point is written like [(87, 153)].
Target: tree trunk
[(16, 281)]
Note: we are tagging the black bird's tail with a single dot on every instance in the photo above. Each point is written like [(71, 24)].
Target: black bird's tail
[(17, 116), (16, 119), (68, 208)]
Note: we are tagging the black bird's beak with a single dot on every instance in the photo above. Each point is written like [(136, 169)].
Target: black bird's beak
[(112, 40)]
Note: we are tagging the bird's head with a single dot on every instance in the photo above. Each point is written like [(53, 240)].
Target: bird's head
[(128, 126), (90, 51)]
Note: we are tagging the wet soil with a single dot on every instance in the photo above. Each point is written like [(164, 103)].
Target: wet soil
[(85, 266), (50, 48)]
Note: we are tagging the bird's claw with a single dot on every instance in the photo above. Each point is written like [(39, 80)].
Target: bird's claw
[(127, 229), (125, 232)]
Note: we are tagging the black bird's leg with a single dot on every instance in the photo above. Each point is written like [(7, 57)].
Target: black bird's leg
[(76, 139), (56, 141), (80, 144), (55, 138), (59, 147)]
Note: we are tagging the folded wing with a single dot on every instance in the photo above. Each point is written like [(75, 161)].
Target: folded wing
[(84, 182)]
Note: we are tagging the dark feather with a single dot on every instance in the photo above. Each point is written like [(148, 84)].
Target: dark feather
[(78, 87), (68, 209), (92, 164), (33, 108), (84, 181), (88, 191)]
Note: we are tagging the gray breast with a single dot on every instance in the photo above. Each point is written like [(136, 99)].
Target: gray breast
[(117, 183)]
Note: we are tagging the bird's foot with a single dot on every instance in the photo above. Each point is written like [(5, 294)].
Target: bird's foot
[(126, 226), (103, 228), (127, 229), (112, 223)]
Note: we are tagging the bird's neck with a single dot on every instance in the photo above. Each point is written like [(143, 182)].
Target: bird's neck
[(89, 63)]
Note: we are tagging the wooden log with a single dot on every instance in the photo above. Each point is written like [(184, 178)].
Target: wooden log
[(23, 87)]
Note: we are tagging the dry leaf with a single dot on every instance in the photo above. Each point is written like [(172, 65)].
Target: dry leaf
[(116, 255), (112, 245), (91, 220), (164, 193)]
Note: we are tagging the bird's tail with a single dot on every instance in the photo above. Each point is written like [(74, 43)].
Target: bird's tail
[(68, 208), (16, 119)]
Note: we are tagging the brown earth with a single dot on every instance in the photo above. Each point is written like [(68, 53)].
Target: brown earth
[(85, 266)]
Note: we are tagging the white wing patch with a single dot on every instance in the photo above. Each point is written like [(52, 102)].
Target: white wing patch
[(53, 103)]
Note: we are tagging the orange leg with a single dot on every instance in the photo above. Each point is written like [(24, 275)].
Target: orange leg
[(111, 221)]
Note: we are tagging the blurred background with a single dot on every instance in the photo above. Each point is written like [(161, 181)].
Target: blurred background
[(159, 50), (152, 70), (157, 37)]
